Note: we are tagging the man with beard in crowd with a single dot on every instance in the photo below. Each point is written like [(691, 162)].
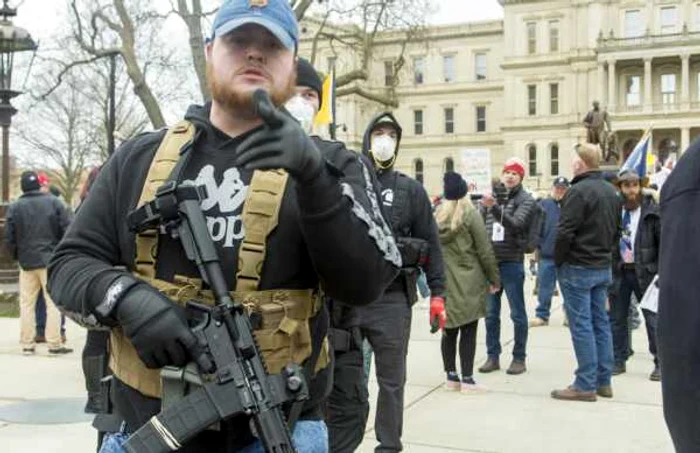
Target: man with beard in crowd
[(323, 230), (636, 262)]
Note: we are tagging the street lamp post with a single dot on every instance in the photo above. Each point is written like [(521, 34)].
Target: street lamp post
[(12, 40)]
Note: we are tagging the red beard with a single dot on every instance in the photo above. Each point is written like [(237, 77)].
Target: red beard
[(241, 103)]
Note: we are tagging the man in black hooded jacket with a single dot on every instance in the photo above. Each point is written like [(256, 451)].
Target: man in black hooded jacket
[(386, 323), (330, 232), (678, 333)]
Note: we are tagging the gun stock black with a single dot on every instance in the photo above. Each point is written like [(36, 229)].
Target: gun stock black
[(234, 377)]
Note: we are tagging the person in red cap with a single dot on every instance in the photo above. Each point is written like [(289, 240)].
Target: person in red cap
[(508, 218)]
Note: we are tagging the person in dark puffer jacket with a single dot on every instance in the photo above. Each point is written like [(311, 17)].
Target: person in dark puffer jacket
[(34, 225), (507, 226)]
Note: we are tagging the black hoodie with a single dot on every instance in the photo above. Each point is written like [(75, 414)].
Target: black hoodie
[(410, 214), (330, 233)]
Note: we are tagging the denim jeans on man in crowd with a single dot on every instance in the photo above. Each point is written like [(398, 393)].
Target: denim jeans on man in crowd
[(513, 279), (546, 283), (585, 291), (309, 437)]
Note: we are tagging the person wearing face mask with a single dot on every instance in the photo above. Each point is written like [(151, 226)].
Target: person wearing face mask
[(307, 100), (508, 216), (386, 323)]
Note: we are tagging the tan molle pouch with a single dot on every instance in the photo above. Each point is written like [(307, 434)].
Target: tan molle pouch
[(283, 334)]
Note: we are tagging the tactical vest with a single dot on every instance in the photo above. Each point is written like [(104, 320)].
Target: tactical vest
[(284, 335)]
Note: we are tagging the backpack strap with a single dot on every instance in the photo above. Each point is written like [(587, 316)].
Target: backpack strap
[(401, 203), (162, 165), (260, 218)]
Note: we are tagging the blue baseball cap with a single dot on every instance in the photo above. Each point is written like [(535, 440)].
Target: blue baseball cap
[(275, 15)]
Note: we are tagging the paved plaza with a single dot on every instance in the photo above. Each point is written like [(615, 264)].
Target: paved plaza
[(515, 416)]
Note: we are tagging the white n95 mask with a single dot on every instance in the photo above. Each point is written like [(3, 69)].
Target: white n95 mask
[(302, 111), (383, 148)]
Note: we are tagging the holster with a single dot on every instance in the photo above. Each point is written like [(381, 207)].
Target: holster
[(344, 340)]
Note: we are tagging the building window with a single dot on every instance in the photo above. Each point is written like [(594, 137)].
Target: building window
[(449, 164), (634, 91), (330, 63), (532, 159), (633, 24), (388, 73), (419, 70), (554, 36), (668, 89), (532, 100), (531, 38), (697, 17), (554, 98), (554, 160), (449, 120), (480, 65), (449, 68), (418, 122), (418, 170), (481, 118), (669, 20)]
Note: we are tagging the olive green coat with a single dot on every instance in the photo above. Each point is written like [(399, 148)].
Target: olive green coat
[(470, 266)]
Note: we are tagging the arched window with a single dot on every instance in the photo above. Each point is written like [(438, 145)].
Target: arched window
[(628, 147), (532, 159), (554, 159), (449, 164), (418, 170), (667, 146)]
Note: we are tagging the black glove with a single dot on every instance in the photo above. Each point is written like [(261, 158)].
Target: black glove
[(157, 328), (282, 143)]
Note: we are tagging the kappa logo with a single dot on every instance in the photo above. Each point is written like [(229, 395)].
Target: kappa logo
[(224, 205), (388, 197)]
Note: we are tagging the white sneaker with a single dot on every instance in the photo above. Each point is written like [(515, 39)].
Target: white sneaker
[(538, 322), (471, 389), (452, 386)]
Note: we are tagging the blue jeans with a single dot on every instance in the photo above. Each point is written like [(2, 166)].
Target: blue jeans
[(309, 437), (585, 291), (513, 278), (546, 282)]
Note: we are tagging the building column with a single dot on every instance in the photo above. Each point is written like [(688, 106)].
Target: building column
[(685, 140), (612, 86), (601, 84), (648, 96), (685, 81)]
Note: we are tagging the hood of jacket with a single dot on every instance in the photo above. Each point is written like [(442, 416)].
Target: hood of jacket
[(384, 116)]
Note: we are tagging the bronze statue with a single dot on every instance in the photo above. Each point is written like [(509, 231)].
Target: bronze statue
[(597, 124)]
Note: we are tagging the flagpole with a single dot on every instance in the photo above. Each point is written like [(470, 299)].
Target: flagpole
[(332, 127)]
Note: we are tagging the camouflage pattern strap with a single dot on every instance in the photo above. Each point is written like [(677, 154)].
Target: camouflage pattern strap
[(260, 218), (162, 165)]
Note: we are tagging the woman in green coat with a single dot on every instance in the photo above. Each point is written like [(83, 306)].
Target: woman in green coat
[(471, 272)]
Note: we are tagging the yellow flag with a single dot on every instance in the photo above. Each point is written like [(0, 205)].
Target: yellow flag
[(326, 115)]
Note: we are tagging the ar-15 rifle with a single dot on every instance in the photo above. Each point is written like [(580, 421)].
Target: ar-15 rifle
[(234, 377)]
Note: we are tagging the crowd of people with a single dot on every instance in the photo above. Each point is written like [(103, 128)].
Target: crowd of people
[(325, 247)]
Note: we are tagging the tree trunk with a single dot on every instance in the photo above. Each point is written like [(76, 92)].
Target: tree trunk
[(141, 88), (193, 21)]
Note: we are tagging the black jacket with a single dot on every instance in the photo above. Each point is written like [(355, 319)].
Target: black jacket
[(35, 223), (678, 332), (409, 212), (331, 233), (646, 246), (515, 217), (589, 222)]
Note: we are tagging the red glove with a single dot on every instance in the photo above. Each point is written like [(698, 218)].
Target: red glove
[(438, 315)]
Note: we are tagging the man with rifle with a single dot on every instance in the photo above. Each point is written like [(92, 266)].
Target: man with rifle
[(291, 220)]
